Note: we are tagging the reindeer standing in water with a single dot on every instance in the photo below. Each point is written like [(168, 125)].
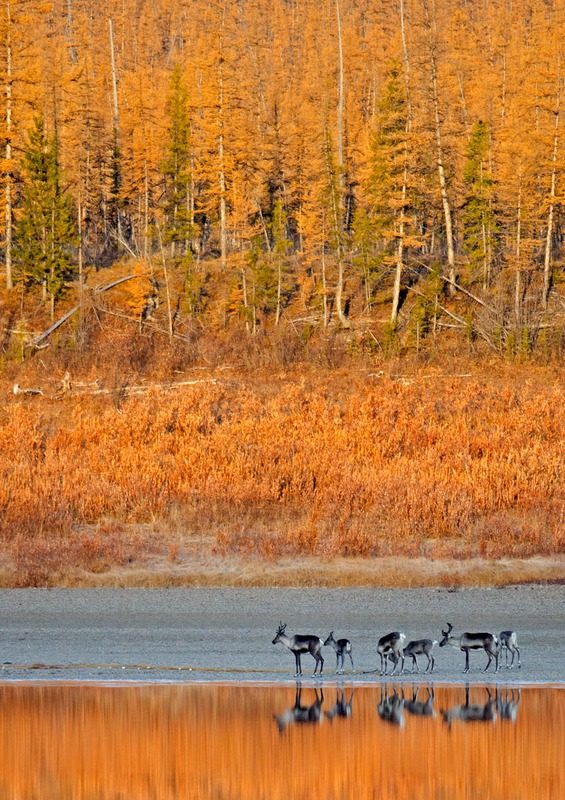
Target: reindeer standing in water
[(472, 641), (299, 644), (341, 647)]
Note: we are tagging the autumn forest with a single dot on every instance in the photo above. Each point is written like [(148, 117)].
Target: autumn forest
[(388, 165)]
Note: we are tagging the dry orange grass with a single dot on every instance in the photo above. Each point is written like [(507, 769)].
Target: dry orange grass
[(442, 470)]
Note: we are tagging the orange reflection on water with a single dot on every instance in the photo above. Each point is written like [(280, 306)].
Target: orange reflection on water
[(207, 741)]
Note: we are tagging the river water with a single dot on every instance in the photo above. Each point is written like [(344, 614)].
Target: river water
[(158, 694), (415, 740)]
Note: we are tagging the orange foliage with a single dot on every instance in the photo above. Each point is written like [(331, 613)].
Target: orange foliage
[(450, 470)]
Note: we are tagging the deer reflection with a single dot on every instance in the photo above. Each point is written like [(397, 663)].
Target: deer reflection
[(341, 707), (507, 703), (472, 713), (391, 709), (299, 713), (421, 708)]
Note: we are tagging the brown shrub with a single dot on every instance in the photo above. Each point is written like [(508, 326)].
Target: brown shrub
[(447, 468)]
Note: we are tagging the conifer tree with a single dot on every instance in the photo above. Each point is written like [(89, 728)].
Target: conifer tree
[(178, 203), (389, 187), (479, 227), (279, 249), (44, 231)]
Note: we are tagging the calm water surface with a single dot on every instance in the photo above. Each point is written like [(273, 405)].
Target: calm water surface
[(92, 741)]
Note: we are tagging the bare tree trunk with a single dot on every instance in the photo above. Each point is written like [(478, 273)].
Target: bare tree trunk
[(343, 321), (324, 284), (221, 165), (245, 300), (406, 65), (191, 239), (550, 215), (114, 78), (146, 213), (116, 110), (518, 286), (8, 152), (503, 91), (70, 33), (400, 246), (443, 183), (80, 261), (279, 289), (170, 325), (402, 210)]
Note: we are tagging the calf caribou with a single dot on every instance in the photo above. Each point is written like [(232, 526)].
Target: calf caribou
[(299, 644), (472, 641), (418, 647), (341, 647)]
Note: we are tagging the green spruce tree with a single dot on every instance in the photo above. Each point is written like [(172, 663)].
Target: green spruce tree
[(176, 169), (479, 224), (45, 230), (390, 189)]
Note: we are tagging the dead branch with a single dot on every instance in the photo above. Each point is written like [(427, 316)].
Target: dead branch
[(36, 341), (459, 288), (17, 389), (461, 322), (133, 390)]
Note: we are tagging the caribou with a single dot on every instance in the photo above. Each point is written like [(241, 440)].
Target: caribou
[(509, 643), (299, 644), (391, 646), (472, 641), (419, 647), (341, 647)]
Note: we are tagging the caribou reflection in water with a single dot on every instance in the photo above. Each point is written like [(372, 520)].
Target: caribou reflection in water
[(342, 707), (421, 708), (507, 703), (301, 713), (391, 709), (504, 704), (395, 703)]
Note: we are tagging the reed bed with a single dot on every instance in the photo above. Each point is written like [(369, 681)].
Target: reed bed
[(447, 469)]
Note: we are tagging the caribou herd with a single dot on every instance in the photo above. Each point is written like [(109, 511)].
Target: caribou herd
[(394, 649)]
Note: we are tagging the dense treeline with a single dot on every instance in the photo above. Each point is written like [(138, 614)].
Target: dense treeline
[(387, 164)]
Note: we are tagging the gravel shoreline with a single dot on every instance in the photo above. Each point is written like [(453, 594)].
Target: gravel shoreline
[(225, 634)]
